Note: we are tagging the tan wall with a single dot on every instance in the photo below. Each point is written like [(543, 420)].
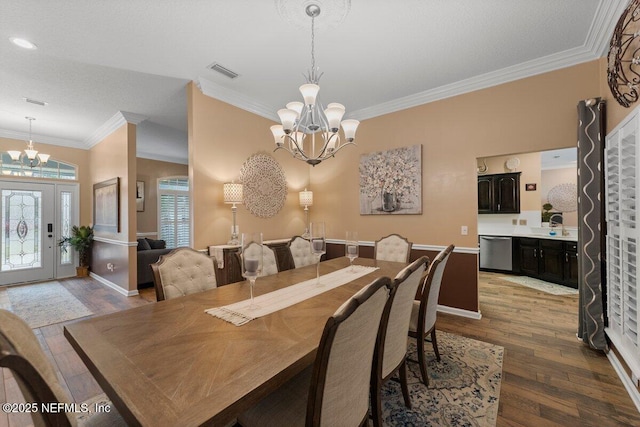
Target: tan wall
[(553, 177), (533, 114), (221, 138), (530, 164), (114, 157), (149, 171), (74, 156)]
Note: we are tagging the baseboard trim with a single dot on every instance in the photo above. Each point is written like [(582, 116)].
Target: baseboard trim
[(634, 394), (113, 286), (476, 315)]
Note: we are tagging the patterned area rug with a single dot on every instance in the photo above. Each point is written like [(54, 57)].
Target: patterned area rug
[(44, 304), (464, 387), (541, 285)]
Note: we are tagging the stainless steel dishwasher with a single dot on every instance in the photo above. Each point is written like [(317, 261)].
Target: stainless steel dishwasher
[(496, 253)]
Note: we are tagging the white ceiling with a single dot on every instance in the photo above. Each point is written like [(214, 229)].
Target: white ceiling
[(96, 58)]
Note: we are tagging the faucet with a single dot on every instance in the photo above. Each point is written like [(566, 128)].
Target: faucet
[(555, 220)]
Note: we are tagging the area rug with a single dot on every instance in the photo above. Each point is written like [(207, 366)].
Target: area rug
[(541, 285), (44, 304), (464, 387)]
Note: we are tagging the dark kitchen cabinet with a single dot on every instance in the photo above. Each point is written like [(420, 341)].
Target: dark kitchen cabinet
[(571, 264), (527, 251), (546, 259), (499, 193)]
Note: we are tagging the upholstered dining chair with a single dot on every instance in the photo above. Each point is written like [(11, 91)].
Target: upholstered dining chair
[(392, 248), (181, 272), (335, 390), (424, 312), (301, 252), (269, 263), (391, 347), (21, 353)]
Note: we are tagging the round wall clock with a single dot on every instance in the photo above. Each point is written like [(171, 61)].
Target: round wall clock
[(264, 185)]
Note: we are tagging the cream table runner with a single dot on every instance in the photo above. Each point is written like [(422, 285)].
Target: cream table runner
[(238, 313)]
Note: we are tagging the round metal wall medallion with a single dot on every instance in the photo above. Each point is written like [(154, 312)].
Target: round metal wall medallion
[(264, 185), (564, 197)]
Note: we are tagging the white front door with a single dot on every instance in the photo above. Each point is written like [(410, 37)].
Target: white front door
[(28, 246)]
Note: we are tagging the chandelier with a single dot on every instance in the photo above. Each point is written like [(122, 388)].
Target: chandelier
[(309, 131), (30, 156)]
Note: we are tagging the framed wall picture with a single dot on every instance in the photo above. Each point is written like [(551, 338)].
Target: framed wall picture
[(140, 196), (106, 206), (391, 181), (530, 187)]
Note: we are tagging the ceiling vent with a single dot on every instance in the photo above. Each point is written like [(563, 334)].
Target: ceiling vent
[(35, 101), (223, 70)]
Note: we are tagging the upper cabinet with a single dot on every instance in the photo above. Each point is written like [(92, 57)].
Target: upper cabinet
[(499, 193)]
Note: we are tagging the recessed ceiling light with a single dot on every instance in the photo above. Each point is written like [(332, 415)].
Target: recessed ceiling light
[(25, 44)]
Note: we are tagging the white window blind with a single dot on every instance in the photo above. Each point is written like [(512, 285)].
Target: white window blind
[(173, 210), (621, 179)]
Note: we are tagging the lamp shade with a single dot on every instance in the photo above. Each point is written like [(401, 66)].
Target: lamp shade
[(232, 193), (334, 115), (349, 127), (44, 158), (278, 134), (15, 155), (306, 198), (288, 118), (296, 106), (309, 92)]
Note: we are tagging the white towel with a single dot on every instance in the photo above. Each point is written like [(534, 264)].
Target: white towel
[(239, 313)]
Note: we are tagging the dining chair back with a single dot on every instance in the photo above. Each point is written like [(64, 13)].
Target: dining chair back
[(391, 346), (337, 386), (425, 311), (20, 352), (301, 252), (392, 248), (181, 272)]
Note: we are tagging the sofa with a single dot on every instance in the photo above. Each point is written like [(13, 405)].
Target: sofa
[(149, 251)]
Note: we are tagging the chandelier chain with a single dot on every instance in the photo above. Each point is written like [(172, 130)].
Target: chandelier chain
[(313, 40)]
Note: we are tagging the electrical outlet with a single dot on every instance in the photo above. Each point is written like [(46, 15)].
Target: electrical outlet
[(110, 266), (523, 222), (464, 230)]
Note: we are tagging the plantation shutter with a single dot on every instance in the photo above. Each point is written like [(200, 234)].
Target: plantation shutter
[(174, 212)]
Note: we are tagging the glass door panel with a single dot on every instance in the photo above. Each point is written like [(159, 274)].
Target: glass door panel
[(27, 243)]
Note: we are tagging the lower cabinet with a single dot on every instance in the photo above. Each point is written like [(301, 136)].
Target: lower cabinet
[(551, 260)]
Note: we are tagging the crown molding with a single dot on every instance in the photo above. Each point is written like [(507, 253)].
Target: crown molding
[(595, 46), (160, 157), (534, 67), (115, 122), (237, 99), (41, 139), (604, 21)]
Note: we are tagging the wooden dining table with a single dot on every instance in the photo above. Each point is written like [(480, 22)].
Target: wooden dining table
[(169, 363)]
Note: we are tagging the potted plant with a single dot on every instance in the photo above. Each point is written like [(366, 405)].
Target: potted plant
[(81, 240), (546, 213)]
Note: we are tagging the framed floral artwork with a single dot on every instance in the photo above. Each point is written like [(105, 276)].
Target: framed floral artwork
[(391, 181)]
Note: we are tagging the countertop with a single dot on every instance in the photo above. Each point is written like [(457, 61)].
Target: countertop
[(534, 233)]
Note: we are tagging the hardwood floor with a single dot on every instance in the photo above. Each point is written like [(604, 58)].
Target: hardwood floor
[(549, 377)]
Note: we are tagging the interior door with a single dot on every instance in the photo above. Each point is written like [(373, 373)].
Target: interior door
[(28, 246)]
